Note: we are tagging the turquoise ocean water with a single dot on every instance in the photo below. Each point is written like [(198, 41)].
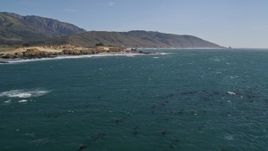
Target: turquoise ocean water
[(188, 100)]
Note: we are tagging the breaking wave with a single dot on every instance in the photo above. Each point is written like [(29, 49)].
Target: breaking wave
[(23, 94), (71, 57), (16, 61)]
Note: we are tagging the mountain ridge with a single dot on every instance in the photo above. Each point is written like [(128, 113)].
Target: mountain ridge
[(139, 38), (33, 30), (15, 27)]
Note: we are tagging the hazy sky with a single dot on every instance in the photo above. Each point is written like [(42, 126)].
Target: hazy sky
[(236, 23)]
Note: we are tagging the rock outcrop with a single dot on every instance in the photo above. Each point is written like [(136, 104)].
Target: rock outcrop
[(53, 51)]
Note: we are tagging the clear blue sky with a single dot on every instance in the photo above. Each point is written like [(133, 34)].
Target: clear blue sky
[(236, 23)]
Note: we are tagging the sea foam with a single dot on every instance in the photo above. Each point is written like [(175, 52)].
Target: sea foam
[(24, 93), (16, 61), (72, 57), (22, 101)]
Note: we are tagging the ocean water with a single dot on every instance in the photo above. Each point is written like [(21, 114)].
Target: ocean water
[(188, 100)]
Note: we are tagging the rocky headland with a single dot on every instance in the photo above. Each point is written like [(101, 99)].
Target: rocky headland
[(61, 50)]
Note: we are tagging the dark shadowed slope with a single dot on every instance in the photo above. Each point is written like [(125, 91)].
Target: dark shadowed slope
[(14, 27)]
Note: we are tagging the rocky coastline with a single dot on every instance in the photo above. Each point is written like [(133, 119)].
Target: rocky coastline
[(55, 51)]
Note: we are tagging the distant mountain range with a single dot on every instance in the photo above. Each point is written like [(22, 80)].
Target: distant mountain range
[(17, 29)]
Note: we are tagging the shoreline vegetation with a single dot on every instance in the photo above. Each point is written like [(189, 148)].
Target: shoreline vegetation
[(52, 51)]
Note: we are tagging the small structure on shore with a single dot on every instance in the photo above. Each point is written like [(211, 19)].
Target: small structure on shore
[(109, 49)]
